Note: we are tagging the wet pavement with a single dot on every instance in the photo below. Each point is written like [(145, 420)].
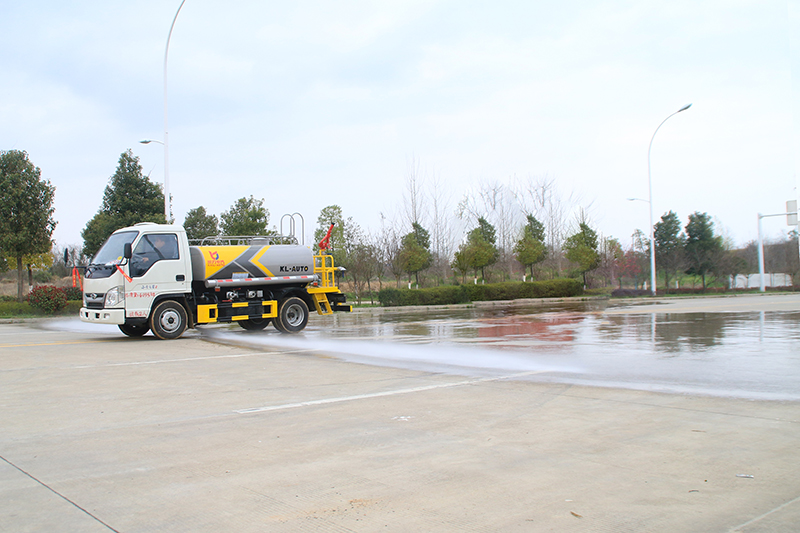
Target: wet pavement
[(744, 346), (741, 347)]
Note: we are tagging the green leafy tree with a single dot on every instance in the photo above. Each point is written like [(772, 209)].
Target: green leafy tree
[(482, 254), (26, 211), (130, 197), (479, 250), (530, 248), (331, 214), (199, 224), (421, 236), (39, 262), (415, 254), (581, 249), (247, 216), (486, 231), (670, 244), (703, 249), (337, 244), (461, 263)]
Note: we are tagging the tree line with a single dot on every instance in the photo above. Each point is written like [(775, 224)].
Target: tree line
[(526, 229)]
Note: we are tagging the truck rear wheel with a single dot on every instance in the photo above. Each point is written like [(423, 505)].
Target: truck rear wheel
[(134, 330), (168, 320), (292, 315), (255, 324)]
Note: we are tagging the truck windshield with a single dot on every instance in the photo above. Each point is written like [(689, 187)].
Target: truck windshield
[(111, 252)]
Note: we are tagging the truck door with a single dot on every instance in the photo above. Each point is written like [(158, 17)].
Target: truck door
[(156, 268)]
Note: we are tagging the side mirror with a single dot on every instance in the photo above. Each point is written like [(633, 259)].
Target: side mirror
[(127, 251)]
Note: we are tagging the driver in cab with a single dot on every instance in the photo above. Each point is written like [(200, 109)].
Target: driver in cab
[(150, 250)]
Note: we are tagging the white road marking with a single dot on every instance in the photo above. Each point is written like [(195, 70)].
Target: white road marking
[(325, 401), (756, 519), (160, 361), (18, 333)]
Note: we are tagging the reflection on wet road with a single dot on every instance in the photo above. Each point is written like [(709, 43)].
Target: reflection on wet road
[(751, 354), (743, 347)]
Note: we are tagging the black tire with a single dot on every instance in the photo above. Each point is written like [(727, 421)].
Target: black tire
[(255, 324), (292, 315), (168, 320), (134, 330)]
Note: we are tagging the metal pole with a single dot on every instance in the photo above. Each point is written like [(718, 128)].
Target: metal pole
[(650, 186), (761, 285), (652, 229), (761, 246), (167, 199)]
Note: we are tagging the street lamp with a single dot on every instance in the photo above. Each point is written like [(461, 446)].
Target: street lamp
[(650, 201), (166, 123), (166, 194)]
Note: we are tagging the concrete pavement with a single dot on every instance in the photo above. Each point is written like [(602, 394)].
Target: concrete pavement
[(104, 433), (711, 304)]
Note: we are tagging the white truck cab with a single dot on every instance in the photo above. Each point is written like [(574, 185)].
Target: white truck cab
[(120, 289)]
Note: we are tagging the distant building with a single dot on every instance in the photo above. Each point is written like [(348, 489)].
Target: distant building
[(753, 281)]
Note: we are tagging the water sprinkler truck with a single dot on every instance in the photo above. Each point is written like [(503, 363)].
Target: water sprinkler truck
[(148, 277)]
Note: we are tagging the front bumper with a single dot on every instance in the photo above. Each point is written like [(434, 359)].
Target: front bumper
[(103, 316)]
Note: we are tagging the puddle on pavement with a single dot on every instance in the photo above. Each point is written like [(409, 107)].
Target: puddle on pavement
[(745, 354), (748, 354)]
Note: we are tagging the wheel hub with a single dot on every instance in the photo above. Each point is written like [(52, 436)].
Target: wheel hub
[(294, 315), (170, 321)]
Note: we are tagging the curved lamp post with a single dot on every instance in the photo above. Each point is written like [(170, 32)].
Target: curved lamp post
[(165, 143), (650, 201)]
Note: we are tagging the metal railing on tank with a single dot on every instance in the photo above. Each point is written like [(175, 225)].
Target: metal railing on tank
[(244, 240)]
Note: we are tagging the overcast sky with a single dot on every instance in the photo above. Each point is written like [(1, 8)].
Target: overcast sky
[(312, 103)]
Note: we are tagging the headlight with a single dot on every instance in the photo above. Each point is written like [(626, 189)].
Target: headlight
[(83, 294), (114, 297)]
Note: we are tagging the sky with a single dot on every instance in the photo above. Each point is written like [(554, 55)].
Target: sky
[(309, 103)]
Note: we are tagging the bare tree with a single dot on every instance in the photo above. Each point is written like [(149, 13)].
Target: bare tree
[(413, 198), (389, 249), (443, 242), (611, 257), (506, 217)]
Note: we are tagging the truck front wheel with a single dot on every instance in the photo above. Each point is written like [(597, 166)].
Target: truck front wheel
[(168, 320), (292, 315)]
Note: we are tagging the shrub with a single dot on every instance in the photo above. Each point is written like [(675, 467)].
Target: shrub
[(72, 308), (73, 293), (47, 299), (446, 295), (14, 309), (456, 294), (627, 293), (42, 276)]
